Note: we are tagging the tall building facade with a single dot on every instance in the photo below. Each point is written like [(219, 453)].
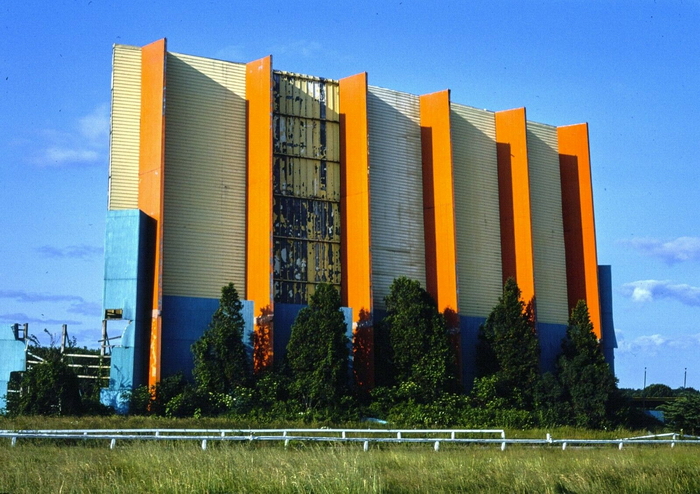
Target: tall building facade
[(235, 172)]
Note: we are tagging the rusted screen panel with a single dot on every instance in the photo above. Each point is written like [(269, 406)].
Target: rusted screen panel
[(125, 125), (306, 188), (205, 177), (547, 224), (396, 190), (477, 217)]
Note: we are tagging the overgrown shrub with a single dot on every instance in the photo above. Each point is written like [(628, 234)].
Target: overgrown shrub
[(412, 344), (318, 351), (47, 388)]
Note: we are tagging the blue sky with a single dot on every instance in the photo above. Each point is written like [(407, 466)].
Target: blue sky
[(629, 68)]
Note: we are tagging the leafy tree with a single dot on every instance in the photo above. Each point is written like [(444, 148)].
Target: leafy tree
[(509, 349), (317, 353), (657, 391), (583, 372), (551, 403), (412, 343), (683, 413), (47, 388), (220, 360)]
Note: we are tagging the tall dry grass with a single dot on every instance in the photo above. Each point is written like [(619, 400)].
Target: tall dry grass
[(32, 467)]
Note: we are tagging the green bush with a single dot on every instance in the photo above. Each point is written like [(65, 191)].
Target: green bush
[(47, 388), (683, 413)]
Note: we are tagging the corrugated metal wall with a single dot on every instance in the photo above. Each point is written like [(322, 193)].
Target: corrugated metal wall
[(547, 224), (124, 136), (306, 185), (396, 190), (477, 217), (205, 177)]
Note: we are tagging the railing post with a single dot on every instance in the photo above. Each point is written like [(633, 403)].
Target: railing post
[(365, 446), (204, 444), (437, 446), (112, 443)]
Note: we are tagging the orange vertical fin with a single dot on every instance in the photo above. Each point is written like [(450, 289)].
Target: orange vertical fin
[(514, 197), (438, 202), (151, 179), (259, 205), (579, 220), (355, 218)]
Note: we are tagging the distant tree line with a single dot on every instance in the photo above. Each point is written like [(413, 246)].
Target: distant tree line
[(415, 368)]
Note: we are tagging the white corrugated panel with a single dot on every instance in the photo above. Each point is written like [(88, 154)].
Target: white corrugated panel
[(125, 127), (205, 177), (396, 190), (547, 224), (477, 217)]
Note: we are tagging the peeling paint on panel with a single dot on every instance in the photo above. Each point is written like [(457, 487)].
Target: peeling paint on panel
[(306, 188)]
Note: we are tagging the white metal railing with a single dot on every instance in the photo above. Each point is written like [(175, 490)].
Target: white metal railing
[(364, 436)]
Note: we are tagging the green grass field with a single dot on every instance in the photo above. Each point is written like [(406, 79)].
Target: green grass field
[(45, 466)]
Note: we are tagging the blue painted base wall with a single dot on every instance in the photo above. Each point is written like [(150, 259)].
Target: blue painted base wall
[(12, 359), (128, 286), (608, 340), (550, 337), (185, 319), (285, 314), (469, 339)]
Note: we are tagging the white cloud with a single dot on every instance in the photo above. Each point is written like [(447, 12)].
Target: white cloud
[(653, 344), (301, 48), (681, 249), (95, 126), (86, 144), (645, 291), (233, 53), (70, 252), (21, 318), (58, 155), (86, 308), (78, 305)]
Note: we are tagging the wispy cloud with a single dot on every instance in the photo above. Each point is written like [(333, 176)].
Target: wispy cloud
[(651, 290), (22, 296), (654, 344), (77, 305), (86, 308), (681, 249), (233, 53), (21, 318), (70, 252), (301, 48), (95, 126), (87, 143)]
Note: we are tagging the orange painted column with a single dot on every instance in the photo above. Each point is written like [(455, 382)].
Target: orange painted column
[(438, 203), (439, 211), (259, 261), (579, 220), (355, 222), (514, 200), (151, 179)]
